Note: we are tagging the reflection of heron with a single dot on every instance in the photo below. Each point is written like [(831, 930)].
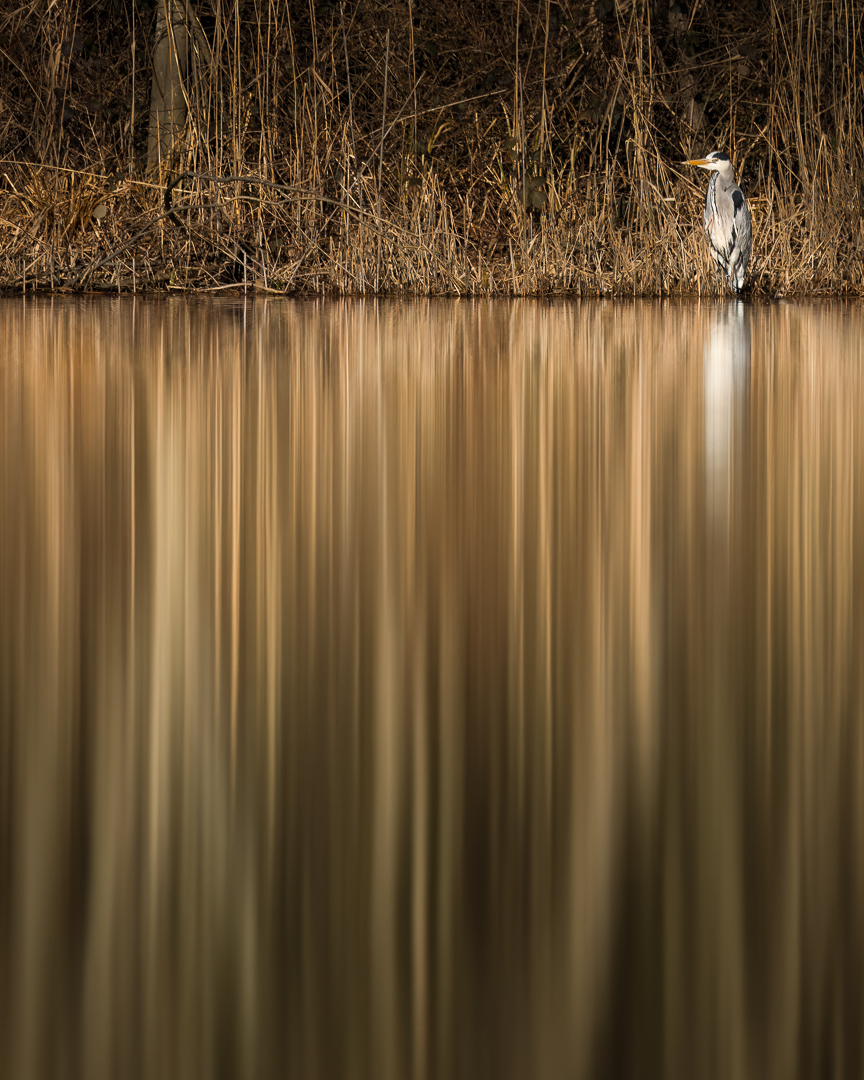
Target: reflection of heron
[(727, 219), (726, 382)]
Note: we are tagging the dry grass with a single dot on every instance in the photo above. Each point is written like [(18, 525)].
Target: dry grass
[(532, 153)]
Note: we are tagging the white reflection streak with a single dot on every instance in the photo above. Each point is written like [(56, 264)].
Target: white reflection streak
[(725, 380), (725, 386)]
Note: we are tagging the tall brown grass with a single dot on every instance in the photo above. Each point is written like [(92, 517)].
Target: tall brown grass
[(531, 154)]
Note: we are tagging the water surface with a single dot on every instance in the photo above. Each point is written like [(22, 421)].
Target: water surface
[(431, 690)]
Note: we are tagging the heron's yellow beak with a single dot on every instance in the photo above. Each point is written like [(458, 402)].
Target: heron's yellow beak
[(702, 162)]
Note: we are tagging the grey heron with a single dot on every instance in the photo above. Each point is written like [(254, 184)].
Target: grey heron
[(727, 218)]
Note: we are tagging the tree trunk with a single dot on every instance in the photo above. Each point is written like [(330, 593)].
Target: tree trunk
[(170, 68)]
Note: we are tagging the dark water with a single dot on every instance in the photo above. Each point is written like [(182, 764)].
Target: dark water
[(431, 691)]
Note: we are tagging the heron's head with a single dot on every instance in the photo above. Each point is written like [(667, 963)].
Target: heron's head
[(716, 161)]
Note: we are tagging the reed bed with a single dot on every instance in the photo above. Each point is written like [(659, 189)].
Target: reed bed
[(474, 150)]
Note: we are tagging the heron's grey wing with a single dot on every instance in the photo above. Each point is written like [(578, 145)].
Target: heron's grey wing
[(743, 226)]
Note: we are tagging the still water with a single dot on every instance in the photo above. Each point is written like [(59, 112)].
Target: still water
[(431, 691)]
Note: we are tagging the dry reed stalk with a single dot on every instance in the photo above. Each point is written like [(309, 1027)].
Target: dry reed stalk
[(381, 163)]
